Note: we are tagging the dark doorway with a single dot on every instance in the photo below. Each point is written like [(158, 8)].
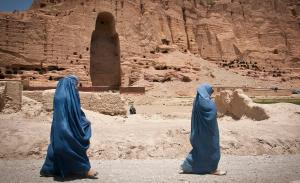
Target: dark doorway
[(105, 69)]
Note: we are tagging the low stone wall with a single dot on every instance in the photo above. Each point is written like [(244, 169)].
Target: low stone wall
[(105, 103), (237, 104), (10, 96)]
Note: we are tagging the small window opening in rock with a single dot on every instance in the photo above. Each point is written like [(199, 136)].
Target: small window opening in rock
[(74, 53), (294, 13), (94, 10), (71, 62), (42, 5), (80, 56), (82, 3), (84, 67), (2, 76), (8, 72), (42, 71), (142, 9), (165, 41), (185, 50), (165, 51), (52, 68), (87, 48), (144, 56), (275, 51), (50, 78), (80, 84)]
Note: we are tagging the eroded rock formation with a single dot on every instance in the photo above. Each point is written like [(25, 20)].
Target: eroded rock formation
[(55, 37), (236, 104)]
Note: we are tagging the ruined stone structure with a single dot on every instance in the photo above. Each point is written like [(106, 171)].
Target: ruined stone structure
[(10, 96), (97, 39), (105, 103), (236, 104)]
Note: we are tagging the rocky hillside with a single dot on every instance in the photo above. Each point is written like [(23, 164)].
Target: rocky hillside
[(54, 37)]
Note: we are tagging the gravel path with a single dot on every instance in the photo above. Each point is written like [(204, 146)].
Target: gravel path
[(282, 168)]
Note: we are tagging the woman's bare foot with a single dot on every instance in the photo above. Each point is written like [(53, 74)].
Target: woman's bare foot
[(218, 172), (92, 174)]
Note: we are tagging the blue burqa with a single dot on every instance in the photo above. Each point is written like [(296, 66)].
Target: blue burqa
[(70, 133), (204, 138)]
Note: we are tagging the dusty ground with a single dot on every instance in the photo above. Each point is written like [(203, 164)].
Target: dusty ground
[(158, 131), (240, 169), (148, 146)]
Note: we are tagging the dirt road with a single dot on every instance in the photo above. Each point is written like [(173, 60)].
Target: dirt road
[(281, 168)]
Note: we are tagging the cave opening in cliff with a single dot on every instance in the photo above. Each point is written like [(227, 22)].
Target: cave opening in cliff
[(105, 69)]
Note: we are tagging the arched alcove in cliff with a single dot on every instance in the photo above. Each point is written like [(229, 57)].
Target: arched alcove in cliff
[(105, 52)]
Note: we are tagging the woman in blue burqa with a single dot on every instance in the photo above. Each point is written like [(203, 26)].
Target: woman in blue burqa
[(204, 137), (70, 134)]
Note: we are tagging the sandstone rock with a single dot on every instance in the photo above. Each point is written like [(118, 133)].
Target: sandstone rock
[(223, 101), (236, 104), (166, 48), (54, 38)]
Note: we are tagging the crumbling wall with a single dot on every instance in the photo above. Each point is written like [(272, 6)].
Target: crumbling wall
[(105, 103), (2, 96), (236, 104), (10, 96), (31, 108), (47, 99)]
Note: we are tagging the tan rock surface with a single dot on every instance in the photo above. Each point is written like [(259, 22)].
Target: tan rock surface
[(236, 104), (105, 103), (255, 38)]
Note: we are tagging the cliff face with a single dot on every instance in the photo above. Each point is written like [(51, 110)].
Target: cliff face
[(56, 35)]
